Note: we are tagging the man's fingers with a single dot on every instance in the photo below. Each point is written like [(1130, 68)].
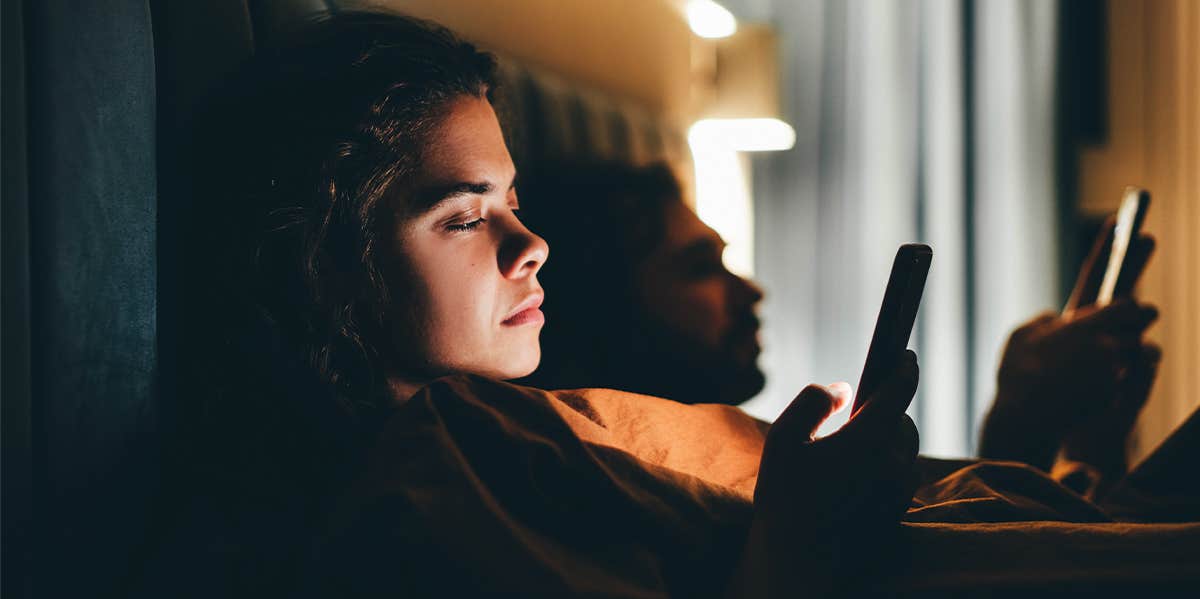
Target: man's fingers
[(1091, 273), (1139, 254), (1034, 326), (1119, 318), (1135, 389), (886, 405)]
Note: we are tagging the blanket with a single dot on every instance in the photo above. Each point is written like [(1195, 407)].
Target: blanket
[(478, 487)]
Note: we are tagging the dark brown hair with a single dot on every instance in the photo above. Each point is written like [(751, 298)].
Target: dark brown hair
[(350, 114), (300, 168), (312, 171)]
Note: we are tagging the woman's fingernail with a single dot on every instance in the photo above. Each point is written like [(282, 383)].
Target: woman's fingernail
[(841, 393)]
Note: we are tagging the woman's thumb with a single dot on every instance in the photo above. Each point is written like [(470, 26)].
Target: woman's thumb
[(810, 408)]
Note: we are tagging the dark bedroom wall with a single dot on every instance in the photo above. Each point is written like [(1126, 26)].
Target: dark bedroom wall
[(14, 318), (91, 235)]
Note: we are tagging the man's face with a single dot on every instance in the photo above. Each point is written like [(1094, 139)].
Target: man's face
[(684, 286), (463, 267)]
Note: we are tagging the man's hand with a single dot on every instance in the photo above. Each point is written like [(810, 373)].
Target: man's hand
[(1061, 377), (1091, 273), (1075, 382)]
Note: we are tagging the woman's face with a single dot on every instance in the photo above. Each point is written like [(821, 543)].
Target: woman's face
[(462, 266)]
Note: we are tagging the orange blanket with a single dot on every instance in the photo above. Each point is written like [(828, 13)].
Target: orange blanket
[(481, 487)]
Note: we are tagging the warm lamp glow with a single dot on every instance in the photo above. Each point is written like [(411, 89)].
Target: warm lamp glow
[(742, 135), (709, 19), (723, 195), (723, 201)]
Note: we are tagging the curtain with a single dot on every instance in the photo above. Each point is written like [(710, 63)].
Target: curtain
[(916, 120)]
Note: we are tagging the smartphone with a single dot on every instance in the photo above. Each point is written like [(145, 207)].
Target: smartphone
[(896, 318), (1129, 223)]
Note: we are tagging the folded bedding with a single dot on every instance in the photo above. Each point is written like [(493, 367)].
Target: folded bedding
[(481, 487)]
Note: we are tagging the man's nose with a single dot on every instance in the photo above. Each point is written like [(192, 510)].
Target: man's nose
[(747, 289)]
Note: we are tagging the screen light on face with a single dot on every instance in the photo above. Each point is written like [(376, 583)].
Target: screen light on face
[(709, 19)]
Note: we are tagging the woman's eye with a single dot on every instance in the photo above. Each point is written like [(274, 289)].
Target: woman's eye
[(469, 226)]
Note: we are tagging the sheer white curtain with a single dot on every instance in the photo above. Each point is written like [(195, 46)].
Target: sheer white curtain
[(916, 120)]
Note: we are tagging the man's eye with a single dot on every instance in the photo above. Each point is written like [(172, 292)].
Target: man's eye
[(706, 268), (467, 226)]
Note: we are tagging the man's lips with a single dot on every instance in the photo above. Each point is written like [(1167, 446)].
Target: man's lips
[(527, 311), (745, 336)]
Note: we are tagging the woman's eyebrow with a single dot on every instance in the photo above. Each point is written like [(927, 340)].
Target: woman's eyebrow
[(430, 198), (436, 195)]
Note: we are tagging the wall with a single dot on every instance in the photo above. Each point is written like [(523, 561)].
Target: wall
[(1154, 142), (639, 49)]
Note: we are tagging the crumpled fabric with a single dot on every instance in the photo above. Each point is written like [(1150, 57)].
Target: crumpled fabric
[(478, 487)]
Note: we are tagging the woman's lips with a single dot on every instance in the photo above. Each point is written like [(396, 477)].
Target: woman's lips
[(527, 312), (527, 316)]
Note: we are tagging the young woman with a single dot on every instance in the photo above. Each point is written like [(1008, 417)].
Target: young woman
[(362, 285)]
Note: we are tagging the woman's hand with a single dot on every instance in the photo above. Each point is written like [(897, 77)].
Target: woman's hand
[(824, 506)]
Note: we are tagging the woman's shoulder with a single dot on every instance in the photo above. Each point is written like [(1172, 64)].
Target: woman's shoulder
[(716, 443), (484, 480)]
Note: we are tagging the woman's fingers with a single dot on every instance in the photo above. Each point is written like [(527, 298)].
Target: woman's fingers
[(886, 406), (908, 439), (892, 484), (810, 408), (842, 392)]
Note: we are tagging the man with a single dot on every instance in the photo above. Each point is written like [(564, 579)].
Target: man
[(641, 301), (638, 298)]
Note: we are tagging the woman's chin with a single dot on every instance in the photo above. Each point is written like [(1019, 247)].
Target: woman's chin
[(523, 363)]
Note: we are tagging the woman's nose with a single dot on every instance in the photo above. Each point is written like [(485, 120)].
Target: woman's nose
[(522, 253)]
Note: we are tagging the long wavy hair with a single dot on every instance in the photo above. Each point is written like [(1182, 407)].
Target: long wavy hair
[(318, 158), (301, 165)]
